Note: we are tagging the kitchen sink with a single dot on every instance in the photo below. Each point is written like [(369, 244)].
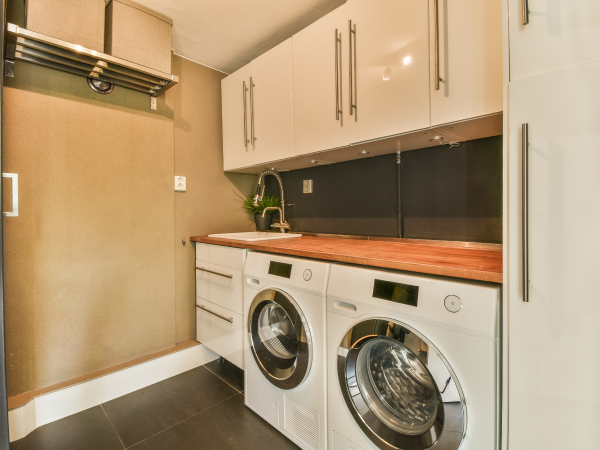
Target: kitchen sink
[(255, 236)]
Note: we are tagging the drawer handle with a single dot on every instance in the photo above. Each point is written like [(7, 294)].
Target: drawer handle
[(215, 273), (228, 319)]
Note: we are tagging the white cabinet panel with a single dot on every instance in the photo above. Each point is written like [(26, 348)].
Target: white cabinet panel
[(316, 126), (554, 362), (470, 59), (221, 255), (390, 68), (237, 151), (221, 336), (272, 104), (213, 283), (560, 34)]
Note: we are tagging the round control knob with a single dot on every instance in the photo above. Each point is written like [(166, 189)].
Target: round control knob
[(307, 274), (453, 303)]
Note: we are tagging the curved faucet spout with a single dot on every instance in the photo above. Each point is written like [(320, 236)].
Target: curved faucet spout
[(260, 192)]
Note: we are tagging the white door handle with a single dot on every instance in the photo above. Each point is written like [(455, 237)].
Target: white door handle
[(15, 194)]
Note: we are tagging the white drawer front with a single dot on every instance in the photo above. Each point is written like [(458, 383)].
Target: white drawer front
[(219, 334), (221, 255), (213, 283)]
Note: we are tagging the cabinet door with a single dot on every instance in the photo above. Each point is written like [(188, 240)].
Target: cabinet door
[(316, 125), (560, 34), (272, 133), (235, 100), (469, 47), (390, 68), (554, 362)]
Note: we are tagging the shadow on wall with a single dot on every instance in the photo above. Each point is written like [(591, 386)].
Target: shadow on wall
[(447, 194)]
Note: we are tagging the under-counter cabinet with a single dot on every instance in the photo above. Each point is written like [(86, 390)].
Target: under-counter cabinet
[(466, 59), (258, 110), (388, 67), (219, 300), (552, 35)]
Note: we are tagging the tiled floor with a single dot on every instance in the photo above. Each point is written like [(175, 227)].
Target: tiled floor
[(200, 409)]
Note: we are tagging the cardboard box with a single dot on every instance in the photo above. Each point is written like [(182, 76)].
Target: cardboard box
[(79, 22), (138, 34)]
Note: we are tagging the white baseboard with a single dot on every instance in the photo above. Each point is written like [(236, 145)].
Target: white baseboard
[(65, 402)]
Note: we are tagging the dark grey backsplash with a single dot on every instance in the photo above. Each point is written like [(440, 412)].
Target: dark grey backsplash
[(447, 194)]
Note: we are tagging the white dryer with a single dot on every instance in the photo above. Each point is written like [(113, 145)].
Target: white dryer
[(284, 304), (413, 361)]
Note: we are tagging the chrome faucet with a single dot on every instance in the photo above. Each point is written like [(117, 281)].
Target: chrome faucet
[(260, 191)]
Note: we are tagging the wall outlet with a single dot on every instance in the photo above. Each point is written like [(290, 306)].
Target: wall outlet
[(153, 103), (307, 187), (180, 184)]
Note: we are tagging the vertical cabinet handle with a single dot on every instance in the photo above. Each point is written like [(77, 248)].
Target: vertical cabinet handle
[(15, 194), (338, 84), (525, 206), (525, 12), (252, 136), (436, 42), (246, 141), (351, 60)]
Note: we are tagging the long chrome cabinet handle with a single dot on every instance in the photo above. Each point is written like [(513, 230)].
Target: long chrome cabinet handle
[(525, 203), (228, 319), (214, 273), (252, 136), (246, 141), (351, 60), (338, 41), (15, 194), (525, 12), (436, 42)]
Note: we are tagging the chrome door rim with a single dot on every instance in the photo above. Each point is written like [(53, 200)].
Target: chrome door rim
[(376, 430), (293, 374)]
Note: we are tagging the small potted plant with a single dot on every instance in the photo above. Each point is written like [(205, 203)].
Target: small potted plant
[(262, 223)]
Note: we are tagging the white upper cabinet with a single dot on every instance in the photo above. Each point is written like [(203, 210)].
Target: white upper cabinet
[(320, 58), (466, 54), (389, 68), (560, 34), (235, 99), (271, 106)]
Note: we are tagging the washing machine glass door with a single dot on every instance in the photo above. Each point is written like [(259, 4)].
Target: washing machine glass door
[(400, 390), (280, 339)]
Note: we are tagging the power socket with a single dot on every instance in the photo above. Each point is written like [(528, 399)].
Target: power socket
[(180, 184), (307, 187)]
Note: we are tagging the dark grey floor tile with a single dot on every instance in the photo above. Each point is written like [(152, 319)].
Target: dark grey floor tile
[(229, 372), (143, 413), (87, 430), (230, 425)]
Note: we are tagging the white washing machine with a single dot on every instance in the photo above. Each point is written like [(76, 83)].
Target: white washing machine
[(284, 304), (413, 361)]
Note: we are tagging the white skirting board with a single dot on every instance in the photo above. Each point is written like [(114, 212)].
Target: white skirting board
[(65, 402)]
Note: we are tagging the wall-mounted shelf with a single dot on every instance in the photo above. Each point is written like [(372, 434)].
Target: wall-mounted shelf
[(36, 48)]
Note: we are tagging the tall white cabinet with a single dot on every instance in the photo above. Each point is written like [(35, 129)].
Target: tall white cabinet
[(554, 363)]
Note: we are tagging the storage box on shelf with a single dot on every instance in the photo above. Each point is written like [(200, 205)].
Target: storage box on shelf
[(79, 22), (219, 300), (138, 34)]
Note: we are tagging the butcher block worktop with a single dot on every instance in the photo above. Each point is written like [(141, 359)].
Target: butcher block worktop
[(471, 261)]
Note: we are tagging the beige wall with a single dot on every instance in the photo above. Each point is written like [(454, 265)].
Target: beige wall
[(93, 274)]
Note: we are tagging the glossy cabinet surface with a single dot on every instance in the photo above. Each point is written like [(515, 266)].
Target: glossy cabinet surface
[(554, 362), (237, 150), (560, 34), (316, 125), (390, 68), (272, 104), (470, 59)]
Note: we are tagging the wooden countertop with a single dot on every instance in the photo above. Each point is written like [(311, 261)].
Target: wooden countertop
[(481, 262)]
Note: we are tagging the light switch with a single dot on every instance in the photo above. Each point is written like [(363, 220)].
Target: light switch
[(180, 184), (153, 103), (307, 187)]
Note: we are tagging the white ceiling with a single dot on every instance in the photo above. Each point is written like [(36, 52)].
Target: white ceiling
[(227, 34)]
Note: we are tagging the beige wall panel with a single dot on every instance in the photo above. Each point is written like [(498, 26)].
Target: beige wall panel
[(90, 278), (210, 204)]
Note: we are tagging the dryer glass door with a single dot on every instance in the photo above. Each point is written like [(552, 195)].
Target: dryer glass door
[(279, 338), (400, 390)]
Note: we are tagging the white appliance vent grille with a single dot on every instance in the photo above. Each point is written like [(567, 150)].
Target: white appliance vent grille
[(301, 422)]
